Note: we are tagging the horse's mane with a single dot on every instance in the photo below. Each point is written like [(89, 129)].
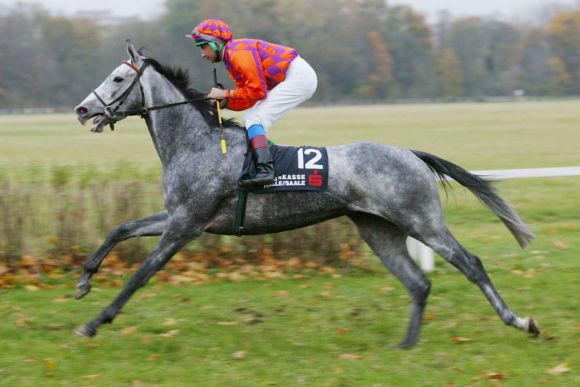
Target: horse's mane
[(180, 79)]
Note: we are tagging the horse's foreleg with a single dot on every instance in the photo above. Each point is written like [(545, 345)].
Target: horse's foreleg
[(176, 235), (388, 242), (150, 226)]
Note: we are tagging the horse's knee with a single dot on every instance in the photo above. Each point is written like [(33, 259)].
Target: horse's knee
[(119, 233)]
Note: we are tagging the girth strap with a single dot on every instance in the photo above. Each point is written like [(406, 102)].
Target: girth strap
[(241, 213), (243, 195)]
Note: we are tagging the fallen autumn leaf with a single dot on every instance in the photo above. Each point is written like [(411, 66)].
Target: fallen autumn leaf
[(492, 375), (460, 339), (171, 333), (350, 357), (239, 355), (559, 369), (129, 330)]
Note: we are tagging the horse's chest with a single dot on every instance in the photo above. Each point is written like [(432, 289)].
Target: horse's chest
[(198, 195)]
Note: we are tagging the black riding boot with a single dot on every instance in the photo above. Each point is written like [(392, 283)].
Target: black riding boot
[(264, 169)]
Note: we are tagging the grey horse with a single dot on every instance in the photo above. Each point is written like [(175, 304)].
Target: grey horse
[(389, 193)]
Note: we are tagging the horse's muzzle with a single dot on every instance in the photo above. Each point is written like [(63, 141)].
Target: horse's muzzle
[(82, 114)]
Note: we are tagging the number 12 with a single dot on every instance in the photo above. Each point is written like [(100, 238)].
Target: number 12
[(310, 164)]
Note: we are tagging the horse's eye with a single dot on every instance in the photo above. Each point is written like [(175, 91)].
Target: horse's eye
[(118, 79)]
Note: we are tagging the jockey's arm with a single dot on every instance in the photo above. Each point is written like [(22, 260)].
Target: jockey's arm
[(249, 79)]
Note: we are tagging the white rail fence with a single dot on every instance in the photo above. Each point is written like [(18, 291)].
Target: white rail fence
[(424, 255)]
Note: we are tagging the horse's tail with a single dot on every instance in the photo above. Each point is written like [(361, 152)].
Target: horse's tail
[(483, 190)]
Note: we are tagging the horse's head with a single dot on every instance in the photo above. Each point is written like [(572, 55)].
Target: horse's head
[(119, 92)]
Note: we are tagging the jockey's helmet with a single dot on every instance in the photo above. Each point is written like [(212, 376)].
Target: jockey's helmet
[(214, 32)]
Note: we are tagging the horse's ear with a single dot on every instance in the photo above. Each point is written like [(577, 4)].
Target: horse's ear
[(136, 58)]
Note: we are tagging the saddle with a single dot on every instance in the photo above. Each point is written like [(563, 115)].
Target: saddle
[(303, 168), (296, 169)]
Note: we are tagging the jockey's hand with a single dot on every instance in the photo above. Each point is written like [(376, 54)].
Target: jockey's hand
[(216, 93)]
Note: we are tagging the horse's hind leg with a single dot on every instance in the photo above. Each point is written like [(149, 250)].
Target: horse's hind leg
[(388, 242), (443, 242), (150, 226)]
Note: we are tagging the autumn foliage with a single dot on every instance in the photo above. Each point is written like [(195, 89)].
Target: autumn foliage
[(361, 50), (50, 228)]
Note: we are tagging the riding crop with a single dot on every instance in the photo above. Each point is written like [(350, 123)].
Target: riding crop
[(219, 113)]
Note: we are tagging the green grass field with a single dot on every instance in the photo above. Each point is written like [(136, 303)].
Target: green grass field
[(335, 330)]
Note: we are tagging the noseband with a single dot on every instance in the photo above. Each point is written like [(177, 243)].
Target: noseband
[(113, 113)]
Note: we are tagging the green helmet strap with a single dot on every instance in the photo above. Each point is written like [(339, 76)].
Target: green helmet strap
[(215, 46)]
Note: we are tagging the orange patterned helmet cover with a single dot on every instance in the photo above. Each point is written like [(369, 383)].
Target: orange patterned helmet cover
[(212, 30)]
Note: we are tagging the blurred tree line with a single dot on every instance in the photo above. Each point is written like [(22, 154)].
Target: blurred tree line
[(362, 50)]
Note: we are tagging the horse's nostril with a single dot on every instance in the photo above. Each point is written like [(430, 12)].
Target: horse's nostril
[(81, 111)]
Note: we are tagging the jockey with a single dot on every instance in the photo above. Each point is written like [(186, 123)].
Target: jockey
[(271, 79)]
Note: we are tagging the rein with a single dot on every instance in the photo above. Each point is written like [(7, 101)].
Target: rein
[(112, 113)]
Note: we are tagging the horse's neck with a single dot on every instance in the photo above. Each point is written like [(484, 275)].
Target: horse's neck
[(176, 129)]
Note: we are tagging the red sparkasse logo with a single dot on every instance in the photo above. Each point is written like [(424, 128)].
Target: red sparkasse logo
[(315, 180)]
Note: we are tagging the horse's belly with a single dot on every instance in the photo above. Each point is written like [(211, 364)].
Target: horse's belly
[(269, 213)]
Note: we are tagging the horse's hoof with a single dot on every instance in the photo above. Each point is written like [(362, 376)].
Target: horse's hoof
[(407, 344), (82, 290), (533, 327), (85, 331)]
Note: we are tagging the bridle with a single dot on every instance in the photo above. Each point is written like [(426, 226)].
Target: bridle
[(113, 113), (110, 111)]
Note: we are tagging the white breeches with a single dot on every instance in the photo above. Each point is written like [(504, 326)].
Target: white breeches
[(299, 85)]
